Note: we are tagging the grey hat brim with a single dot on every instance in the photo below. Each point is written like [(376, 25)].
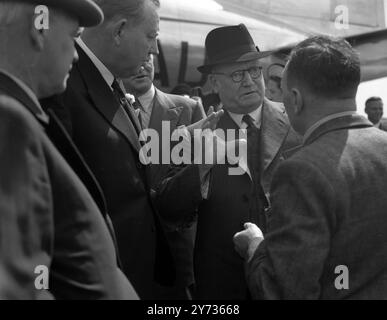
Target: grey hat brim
[(207, 68)]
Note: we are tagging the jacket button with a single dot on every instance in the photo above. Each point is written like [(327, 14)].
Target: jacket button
[(139, 165)]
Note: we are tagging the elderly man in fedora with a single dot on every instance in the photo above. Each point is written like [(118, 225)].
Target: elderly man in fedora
[(56, 241), (235, 74)]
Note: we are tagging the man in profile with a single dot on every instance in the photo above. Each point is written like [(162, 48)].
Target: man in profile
[(327, 231), (47, 216), (154, 108)]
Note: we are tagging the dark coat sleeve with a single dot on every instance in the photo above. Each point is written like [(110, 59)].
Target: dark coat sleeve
[(178, 194), (289, 262), (25, 204)]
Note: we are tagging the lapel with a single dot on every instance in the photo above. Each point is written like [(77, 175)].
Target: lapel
[(164, 109), (274, 130), (226, 122), (11, 88), (105, 101), (353, 121)]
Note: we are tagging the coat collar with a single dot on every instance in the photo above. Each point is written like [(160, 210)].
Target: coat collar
[(352, 121), (104, 100), (11, 87), (274, 130)]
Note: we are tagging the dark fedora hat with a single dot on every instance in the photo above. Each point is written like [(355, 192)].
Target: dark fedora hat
[(88, 13), (228, 45)]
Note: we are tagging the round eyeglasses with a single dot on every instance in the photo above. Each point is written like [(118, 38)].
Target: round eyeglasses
[(239, 75)]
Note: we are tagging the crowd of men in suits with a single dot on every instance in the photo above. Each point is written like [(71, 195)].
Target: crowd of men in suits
[(76, 197)]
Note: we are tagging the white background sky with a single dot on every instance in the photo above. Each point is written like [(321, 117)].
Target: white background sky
[(369, 89)]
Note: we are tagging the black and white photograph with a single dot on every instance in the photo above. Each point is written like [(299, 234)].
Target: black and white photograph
[(193, 155)]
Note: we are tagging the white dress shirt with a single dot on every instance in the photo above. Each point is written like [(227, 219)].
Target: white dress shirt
[(256, 115)]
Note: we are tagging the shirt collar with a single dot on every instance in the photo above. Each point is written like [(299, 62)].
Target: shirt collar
[(256, 115), (105, 72), (147, 98), (324, 120), (28, 91), (377, 125)]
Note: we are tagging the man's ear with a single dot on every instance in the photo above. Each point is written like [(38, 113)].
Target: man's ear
[(38, 34), (118, 30), (214, 83), (298, 101)]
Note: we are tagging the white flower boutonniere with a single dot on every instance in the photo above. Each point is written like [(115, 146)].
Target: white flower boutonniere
[(130, 98)]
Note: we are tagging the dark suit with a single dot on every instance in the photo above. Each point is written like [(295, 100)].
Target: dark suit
[(178, 111), (58, 222), (329, 210), (232, 201), (108, 140)]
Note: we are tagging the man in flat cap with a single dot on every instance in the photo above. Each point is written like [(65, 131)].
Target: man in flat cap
[(50, 226), (235, 74)]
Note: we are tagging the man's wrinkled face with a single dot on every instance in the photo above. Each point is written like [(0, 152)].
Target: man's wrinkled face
[(138, 42), (141, 83), (243, 97), (374, 111), (59, 54)]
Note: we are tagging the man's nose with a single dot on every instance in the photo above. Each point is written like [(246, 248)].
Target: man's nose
[(154, 48), (247, 79)]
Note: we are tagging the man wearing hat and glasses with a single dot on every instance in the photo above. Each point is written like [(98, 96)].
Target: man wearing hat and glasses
[(48, 219), (235, 74)]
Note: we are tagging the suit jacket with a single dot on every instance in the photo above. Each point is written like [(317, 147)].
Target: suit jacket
[(178, 111), (232, 202), (329, 210), (59, 224), (219, 271), (109, 142)]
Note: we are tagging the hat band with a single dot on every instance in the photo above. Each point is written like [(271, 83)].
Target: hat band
[(232, 54)]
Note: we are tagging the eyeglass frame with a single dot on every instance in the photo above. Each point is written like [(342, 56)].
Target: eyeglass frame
[(260, 68)]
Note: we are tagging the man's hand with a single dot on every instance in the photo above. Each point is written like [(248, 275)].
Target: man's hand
[(247, 241), (208, 123)]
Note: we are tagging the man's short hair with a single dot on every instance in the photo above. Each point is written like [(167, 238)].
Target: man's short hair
[(124, 8), (11, 11), (373, 99), (328, 67)]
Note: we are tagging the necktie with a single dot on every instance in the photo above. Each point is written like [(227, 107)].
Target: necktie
[(253, 148), (120, 95), (138, 107), (257, 213)]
